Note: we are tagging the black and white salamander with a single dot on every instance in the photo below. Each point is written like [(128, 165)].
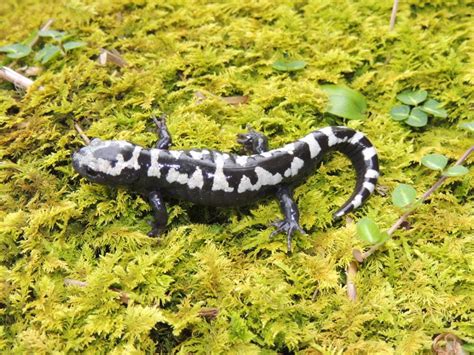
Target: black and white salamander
[(209, 177)]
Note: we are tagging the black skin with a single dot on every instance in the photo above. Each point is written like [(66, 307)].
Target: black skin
[(253, 142)]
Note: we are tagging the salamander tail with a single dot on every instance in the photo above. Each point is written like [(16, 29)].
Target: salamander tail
[(364, 158)]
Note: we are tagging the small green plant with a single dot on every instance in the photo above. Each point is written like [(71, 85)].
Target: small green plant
[(345, 102), (288, 65), (415, 108), (370, 232), (439, 162), (16, 50), (59, 46), (468, 126), (405, 197)]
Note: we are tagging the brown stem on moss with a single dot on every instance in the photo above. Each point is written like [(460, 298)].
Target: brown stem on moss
[(123, 295), (351, 273), (209, 313), (393, 17), (362, 256), (72, 282), (81, 133), (13, 77)]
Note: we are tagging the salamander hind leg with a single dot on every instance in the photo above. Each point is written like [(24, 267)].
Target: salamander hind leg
[(164, 141), (257, 143), (290, 224), (160, 213)]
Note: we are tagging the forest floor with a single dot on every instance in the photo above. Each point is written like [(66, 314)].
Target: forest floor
[(78, 272)]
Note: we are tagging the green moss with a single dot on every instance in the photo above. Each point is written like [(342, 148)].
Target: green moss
[(56, 226)]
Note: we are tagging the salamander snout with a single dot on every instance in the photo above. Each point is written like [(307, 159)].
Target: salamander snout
[(83, 164)]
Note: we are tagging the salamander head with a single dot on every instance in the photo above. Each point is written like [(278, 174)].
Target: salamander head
[(108, 162)]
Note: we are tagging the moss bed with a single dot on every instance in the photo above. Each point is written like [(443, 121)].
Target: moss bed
[(77, 270)]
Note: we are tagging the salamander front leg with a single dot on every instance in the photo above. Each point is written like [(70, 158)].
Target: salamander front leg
[(159, 213), (257, 143), (253, 142), (164, 136)]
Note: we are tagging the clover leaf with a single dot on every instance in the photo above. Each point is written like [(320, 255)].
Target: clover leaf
[(16, 50), (403, 195), (433, 107), (288, 65), (412, 98), (345, 102), (417, 118), (434, 161), (400, 112), (368, 231)]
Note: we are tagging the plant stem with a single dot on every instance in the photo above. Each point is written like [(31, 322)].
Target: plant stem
[(17, 79), (403, 218), (81, 133), (351, 272), (394, 15)]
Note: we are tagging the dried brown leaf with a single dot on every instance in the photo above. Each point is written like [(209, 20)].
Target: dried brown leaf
[(236, 100), (111, 56), (209, 313)]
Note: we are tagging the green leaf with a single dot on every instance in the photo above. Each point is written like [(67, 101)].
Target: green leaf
[(433, 107), (417, 118), (467, 125), (73, 44), (47, 53), (345, 102), (468, 347), (434, 161), (369, 232), (288, 65), (412, 98), (29, 41), (403, 195), (457, 170), (400, 112), (16, 50), (56, 35)]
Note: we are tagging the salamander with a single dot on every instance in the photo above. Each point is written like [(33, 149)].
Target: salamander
[(213, 178)]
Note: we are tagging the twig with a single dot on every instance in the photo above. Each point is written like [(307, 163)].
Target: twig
[(394, 15), (72, 282), (17, 79), (123, 295), (81, 133), (351, 272), (361, 257)]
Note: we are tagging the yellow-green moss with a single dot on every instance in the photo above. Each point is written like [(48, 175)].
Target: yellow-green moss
[(56, 226)]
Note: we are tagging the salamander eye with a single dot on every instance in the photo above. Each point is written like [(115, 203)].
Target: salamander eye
[(91, 172)]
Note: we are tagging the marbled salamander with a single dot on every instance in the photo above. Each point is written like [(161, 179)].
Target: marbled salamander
[(213, 178)]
